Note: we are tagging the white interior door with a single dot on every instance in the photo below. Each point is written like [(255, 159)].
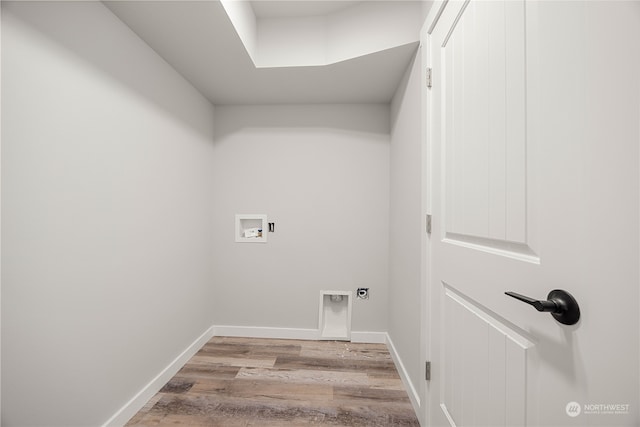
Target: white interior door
[(534, 128)]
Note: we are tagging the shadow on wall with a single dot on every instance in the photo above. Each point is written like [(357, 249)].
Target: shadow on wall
[(402, 91), (350, 118), (102, 49)]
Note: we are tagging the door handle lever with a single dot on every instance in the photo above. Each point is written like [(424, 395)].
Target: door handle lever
[(549, 306), (561, 304)]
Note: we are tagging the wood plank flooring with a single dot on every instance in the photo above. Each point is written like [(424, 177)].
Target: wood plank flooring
[(264, 382)]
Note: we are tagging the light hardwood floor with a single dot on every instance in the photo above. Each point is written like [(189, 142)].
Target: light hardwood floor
[(264, 382)]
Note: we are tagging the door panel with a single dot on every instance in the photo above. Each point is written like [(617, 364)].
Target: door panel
[(485, 365), (483, 66)]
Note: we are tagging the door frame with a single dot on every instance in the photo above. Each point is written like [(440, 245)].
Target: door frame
[(427, 392)]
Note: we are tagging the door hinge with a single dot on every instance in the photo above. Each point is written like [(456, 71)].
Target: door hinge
[(429, 77), (428, 224), (427, 374)]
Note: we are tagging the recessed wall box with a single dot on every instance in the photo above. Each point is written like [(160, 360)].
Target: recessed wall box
[(251, 228), (334, 321)]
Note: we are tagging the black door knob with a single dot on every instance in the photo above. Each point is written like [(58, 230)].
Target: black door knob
[(561, 304)]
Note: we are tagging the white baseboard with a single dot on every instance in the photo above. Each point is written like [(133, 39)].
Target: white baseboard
[(292, 333), (264, 332), (369, 337), (136, 403), (414, 396)]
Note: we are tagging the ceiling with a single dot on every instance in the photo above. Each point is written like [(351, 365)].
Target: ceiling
[(198, 39)]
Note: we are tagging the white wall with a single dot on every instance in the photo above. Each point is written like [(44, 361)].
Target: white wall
[(298, 41), (372, 26), (321, 173), (355, 31), (406, 224), (106, 214)]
